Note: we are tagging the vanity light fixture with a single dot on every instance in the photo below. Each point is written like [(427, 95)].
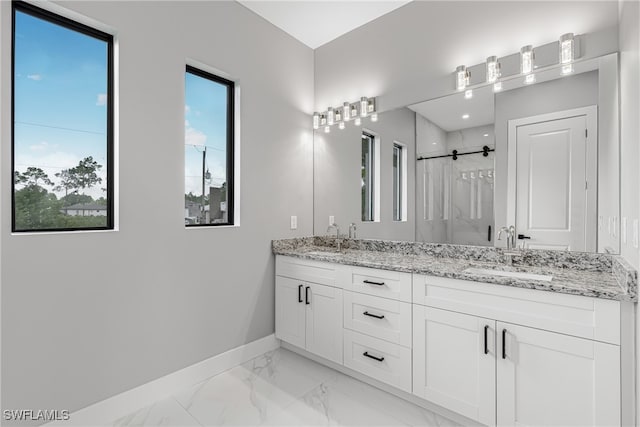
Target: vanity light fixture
[(493, 69), (526, 59), (346, 112), (468, 94), (497, 86), (330, 116), (374, 117), (364, 106), (462, 77), (316, 121), (530, 79)]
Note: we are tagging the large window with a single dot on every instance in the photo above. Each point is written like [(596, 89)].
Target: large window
[(62, 162), (209, 106), (368, 177)]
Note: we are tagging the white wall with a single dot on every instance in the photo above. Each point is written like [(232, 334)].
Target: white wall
[(409, 55), (89, 315), (630, 142), (337, 180)]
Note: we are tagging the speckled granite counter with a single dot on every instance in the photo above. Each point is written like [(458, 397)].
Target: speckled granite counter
[(592, 275)]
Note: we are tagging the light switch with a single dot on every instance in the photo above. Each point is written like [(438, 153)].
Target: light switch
[(332, 219), (635, 233), (623, 231), (294, 222)]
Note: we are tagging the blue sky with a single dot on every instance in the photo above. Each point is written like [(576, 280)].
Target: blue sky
[(205, 125), (60, 98)]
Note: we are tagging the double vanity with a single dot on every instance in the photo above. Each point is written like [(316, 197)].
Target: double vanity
[(546, 340)]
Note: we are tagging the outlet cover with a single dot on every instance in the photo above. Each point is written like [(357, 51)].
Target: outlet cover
[(294, 222)]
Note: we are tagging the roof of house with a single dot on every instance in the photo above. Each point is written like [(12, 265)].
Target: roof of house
[(86, 207)]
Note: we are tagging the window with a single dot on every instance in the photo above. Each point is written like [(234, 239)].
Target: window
[(399, 182), (368, 177), (62, 123), (209, 107)]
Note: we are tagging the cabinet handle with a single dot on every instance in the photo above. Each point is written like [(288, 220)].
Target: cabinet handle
[(299, 293), (486, 344), (366, 313), (369, 282), (379, 359), (306, 296), (504, 345)]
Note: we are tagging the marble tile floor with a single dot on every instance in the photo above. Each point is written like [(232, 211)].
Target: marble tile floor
[(281, 388)]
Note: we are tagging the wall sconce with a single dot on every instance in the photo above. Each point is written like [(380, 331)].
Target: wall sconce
[(526, 59), (493, 69), (366, 107), (567, 52), (462, 77)]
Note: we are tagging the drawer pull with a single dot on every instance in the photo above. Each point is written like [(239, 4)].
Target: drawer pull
[(486, 345), (366, 313), (299, 293), (369, 282), (306, 296), (504, 344), (366, 354)]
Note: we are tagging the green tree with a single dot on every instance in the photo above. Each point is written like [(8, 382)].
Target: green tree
[(85, 175), (32, 177), (67, 182), (75, 198), (36, 208)]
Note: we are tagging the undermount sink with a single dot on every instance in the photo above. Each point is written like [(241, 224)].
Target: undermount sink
[(514, 274)]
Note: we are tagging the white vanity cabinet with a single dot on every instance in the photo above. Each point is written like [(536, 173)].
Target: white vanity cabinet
[(309, 307), (550, 364)]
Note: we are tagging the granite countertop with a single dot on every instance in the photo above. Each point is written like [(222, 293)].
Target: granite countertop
[(591, 275)]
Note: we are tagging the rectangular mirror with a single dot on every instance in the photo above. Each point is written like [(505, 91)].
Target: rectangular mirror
[(542, 156)]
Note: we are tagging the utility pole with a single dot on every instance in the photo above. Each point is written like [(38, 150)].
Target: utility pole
[(204, 162)]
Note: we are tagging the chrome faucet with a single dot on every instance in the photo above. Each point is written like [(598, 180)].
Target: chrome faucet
[(352, 230), (512, 249), (338, 241)]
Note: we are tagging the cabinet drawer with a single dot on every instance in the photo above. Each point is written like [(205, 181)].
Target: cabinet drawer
[(387, 284), (323, 273), (382, 318), (383, 361), (584, 317)]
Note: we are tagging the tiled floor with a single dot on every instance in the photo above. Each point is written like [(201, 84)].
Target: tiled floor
[(281, 388)]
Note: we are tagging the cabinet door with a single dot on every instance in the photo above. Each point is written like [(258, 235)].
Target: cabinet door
[(290, 311), (453, 365), (547, 378), (324, 321)]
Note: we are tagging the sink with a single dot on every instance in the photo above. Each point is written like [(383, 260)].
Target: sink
[(514, 274)]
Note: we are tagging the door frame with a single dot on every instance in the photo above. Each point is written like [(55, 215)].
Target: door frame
[(591, 117)]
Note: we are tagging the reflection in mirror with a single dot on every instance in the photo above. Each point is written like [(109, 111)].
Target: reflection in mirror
[(551, 167)]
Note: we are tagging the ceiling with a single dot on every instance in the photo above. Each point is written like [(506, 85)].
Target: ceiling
[(316, 22)]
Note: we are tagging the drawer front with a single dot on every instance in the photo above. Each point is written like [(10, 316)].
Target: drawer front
[(584, 317), (383, 361), (323, 273), (382, 318), (382, 283)]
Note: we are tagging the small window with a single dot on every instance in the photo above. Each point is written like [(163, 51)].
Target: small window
[(399, 182), (62, 127), (209, 124), (368, 177)]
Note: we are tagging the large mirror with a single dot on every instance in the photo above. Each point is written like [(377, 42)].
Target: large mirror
[(542, 156)]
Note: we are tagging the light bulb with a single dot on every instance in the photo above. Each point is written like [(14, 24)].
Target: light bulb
[(330, 116), (462, 77), (493, 69), (327, 129), (346, 112), (530, 79), (526, 59), (364, 102), (357, 121), (497, 86), (468, 94), (566, 48), (341, 125), (374, 117), (567, 69), (316, 120)]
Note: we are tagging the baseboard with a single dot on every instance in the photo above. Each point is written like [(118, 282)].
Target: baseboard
[(109, 410), (453, 416)]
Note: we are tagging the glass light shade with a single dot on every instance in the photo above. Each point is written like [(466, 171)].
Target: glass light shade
[(338, 114), (346, 112), (354, 110), (323, 119), (526, 59), (566, 48), (493, 69), (330, 116), (364, 102), (462, 77), (371, 105), (316, 120)]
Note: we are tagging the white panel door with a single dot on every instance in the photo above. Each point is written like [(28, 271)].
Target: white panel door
[(324, 321), (290, 311), (551, 193), (454, 364), (550, 379)]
